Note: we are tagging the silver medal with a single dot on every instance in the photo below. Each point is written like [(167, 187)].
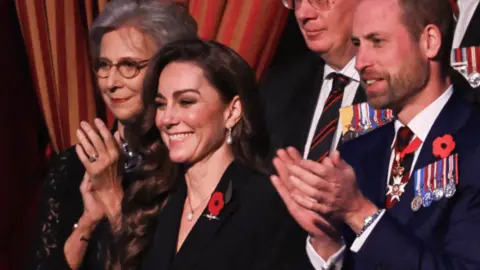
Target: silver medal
[(417, 203), (427, 199), (450, 189), (438, 194), (474, 79)]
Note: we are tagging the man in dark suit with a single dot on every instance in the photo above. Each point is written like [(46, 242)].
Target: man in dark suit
[(466, 45), (467, 14), (408, 193), (302, 98)]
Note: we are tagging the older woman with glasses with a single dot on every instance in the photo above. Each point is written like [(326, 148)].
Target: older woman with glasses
[(79, 208)]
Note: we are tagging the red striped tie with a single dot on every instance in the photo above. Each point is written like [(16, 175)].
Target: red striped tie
[(327, 125), (400, 167)]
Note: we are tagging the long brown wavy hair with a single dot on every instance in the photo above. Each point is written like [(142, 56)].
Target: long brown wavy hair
[(231, 76)]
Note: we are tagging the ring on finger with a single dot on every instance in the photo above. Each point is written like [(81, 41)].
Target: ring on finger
[(93, 158)]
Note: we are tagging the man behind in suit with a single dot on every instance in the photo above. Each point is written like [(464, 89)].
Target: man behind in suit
[(408, 193), (467, 14), (466, 48), (302, 99)]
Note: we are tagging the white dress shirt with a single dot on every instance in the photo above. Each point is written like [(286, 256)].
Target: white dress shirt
[(466, 10), (348, 97), (420, 125)]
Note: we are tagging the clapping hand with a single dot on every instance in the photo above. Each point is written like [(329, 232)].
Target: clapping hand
[(93, 208), (315, 224), (101, 155), (328, 189)]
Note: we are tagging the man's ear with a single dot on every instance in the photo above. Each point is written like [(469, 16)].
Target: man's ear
[(431, 41)]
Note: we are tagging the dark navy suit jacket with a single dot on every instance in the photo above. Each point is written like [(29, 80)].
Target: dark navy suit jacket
[(445, 235)]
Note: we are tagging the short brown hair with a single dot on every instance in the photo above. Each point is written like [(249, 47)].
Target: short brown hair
[(417, 14)]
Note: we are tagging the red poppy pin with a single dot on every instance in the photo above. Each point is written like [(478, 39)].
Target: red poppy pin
[(443, 146), (215, 205)]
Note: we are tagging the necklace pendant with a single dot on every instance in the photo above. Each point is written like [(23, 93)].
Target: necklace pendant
[(190, 216)]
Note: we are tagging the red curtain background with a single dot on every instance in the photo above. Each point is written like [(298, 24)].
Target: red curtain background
[(21, 142)]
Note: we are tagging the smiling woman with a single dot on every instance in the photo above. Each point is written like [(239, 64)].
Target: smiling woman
[(120, 67), (221, 211), (191, 114), (85, 184)]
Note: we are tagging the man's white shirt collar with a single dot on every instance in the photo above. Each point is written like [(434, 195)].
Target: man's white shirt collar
[(348, 70), (421, 124)]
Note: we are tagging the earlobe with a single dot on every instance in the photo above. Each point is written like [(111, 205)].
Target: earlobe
[(432, 42)]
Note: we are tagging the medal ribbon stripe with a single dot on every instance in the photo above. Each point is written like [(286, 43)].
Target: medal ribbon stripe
[(364, 115), (428, 196), (438, 188), (372, 117), (424, 183), (471, 53), (358, 111), (456, 168), (354, 117), (444, 172), (429, 179)]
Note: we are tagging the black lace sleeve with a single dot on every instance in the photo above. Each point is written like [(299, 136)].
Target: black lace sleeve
[(60, 208)]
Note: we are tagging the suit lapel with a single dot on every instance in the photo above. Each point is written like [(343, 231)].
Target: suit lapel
[(205, 230), (162, 251), (472, 35), (360, 96), (449, 121), (306, 103), (376, 170)]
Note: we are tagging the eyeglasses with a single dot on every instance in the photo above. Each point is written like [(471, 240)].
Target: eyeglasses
[(321, 5), (127, 68)]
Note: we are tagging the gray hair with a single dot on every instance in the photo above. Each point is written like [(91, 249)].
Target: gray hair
[(164, 21)]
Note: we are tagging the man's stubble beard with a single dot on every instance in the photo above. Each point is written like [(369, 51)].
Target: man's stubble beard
[(402, 86)]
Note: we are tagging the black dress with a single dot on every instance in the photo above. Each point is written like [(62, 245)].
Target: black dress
[(60, 208), (253, 229)]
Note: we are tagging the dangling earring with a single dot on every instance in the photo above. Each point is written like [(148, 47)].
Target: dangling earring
[(229, 137)]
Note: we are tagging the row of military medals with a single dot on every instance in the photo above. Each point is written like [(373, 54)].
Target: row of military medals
[(366, 119), (466, 61), (434, 182)]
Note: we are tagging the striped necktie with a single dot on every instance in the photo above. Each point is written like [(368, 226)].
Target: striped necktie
[(327, 125), (400, 171)]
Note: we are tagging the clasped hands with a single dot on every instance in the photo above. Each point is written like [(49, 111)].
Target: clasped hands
[(320, 195)]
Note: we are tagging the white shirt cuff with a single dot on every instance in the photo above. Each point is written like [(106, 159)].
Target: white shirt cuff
[(358, 243), (319, 263)]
